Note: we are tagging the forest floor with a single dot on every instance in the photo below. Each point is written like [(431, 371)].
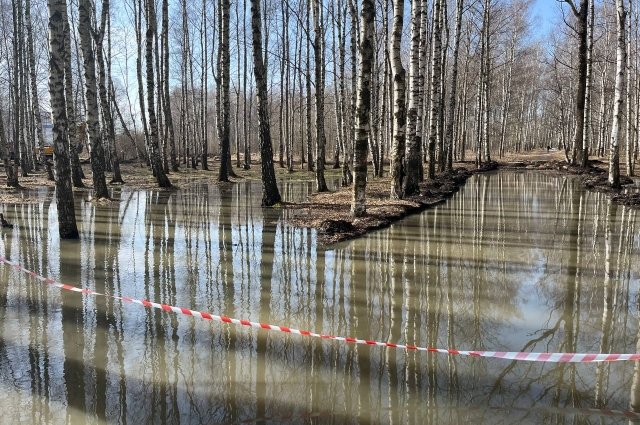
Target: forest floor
[(137, 176), (329, 212)]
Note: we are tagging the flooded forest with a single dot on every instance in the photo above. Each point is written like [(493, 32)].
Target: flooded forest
[(319, 211)]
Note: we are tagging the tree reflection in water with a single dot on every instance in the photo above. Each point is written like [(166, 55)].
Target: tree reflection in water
[(515, 261)]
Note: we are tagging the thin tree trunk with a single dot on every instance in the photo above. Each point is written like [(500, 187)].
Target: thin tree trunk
[(91, 96), (365, 61), (64, 193), (434, 95), (270, 192), (35, 102), (413, 141), (223, 89), (618, 102), (584, 158), (76, 170), (318, 53), (399, 110), (107, 116), (10, 171), (453, 97), (581, 15), (629, 94), (168, 117), (154, 149)]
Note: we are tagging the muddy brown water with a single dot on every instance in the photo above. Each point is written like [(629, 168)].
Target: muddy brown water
[(514, 261)]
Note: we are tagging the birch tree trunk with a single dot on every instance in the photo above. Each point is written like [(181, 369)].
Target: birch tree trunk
[(413, 142), (223, 88), (10, 171), (270, 192), (618, 102), (581, 18), (64, 192), (435, 87), (76, 170), (138, 6), (105, 104), (629, 94), (168, 117), (310, 166), (584, 157), (154, 149), (399, 110), (91, 99), (362, 129), (318, 53), (35, 101), (486, 79), (454, 86)]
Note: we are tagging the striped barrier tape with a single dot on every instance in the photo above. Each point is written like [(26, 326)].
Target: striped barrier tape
[(507, 355)]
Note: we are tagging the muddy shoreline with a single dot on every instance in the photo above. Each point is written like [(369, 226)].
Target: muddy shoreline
[(329, 213)]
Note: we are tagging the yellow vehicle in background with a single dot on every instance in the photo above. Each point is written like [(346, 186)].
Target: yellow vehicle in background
[(48, 151)]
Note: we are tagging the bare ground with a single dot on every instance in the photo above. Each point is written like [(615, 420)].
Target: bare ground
[(137, 176)]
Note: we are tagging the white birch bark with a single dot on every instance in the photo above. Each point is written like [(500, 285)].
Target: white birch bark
[(618, 102)]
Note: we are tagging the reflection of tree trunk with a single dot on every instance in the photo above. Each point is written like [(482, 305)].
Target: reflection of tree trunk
[(571, 302), (72, 330), (634, 398), (230, 337), (268, 238), (608, 294), (395, 328)]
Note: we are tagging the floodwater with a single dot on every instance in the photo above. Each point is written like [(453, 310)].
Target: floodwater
[(513, 262)]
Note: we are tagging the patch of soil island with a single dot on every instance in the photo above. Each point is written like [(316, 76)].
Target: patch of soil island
[(330, 212)]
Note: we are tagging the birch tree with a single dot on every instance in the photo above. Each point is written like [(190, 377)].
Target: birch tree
[(154, 149), (618, 102), (168, 117), (10, 170), (270, 192), (588, 87), (413, 144), (35, 98), (223, 90), (318, 52), (362, 129), (450, 122), (434, 95), (64, 192), (91, 99), (399, 110), (581, 14), (76, 170)]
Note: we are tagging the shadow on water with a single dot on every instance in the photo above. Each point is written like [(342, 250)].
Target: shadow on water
[(515, 261)]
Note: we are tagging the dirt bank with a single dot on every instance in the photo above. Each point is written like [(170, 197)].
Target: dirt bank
[(330, 213)]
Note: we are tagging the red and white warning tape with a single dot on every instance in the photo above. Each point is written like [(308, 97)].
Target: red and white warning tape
[(508, 355)]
